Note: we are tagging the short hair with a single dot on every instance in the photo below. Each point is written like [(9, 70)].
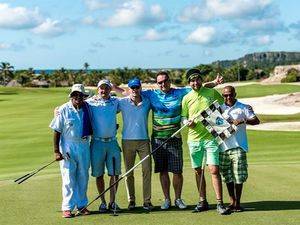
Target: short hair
[(163, 73)]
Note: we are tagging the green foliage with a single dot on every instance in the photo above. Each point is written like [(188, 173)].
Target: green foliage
[(293, 75)]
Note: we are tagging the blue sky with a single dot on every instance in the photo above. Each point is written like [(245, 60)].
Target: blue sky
[(148, 34)]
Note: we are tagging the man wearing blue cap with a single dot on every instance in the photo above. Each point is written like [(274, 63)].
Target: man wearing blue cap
[(135, 140), (166, 118)]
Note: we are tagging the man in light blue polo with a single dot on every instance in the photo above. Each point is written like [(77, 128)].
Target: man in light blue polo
[(105, 150), (135, 140)]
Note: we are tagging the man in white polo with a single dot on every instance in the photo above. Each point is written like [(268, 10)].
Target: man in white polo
[(233, 155), (135, 140), (105, 150)]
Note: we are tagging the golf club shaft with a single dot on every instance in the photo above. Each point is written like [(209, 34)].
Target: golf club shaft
[(16, 180), (136, 165), (25, 178), (202, 173), (28, 175)]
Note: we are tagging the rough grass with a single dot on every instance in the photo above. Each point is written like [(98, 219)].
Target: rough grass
[(271, 195)]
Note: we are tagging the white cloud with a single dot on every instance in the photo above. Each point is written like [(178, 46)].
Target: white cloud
[(49, 28), (4, 46), (89, 20), (153, 35), (128, 14), (263, 40), (157, 12), (19, 17), (95, 4), (202, 35), (135, 12), (212, 9), (263, 25), (207, 52)]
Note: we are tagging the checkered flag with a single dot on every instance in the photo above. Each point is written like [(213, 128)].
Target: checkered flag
[(215, 123)]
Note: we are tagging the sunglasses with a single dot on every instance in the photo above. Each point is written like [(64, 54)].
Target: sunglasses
[(163, 81), (228, 95), (135, 87), (77, 96)]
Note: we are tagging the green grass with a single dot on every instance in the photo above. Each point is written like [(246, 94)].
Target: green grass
[(258, 90), (279, 118), (271, 193)]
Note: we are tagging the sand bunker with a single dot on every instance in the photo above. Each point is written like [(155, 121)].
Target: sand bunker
[(278, 126), (284, 104)]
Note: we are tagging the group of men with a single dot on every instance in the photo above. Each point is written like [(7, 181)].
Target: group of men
[(86, 131)]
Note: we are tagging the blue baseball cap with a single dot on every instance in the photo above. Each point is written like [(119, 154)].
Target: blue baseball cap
[(135, 82)]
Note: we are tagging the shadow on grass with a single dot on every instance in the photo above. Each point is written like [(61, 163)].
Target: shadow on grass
[(8, 93), (271, 205), (156, 209)]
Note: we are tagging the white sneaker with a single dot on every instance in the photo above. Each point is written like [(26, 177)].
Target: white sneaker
[(180, 203), (166, 204)]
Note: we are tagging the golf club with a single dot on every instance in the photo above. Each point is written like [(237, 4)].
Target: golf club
[(136, 165), (115, 187), (20, 180)]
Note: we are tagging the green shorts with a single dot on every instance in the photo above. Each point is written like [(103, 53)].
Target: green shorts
[(233, 166), (199, 148)]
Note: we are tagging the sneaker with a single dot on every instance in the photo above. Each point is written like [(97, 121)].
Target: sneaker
[(131, 205), (148, 206), (239, 209), (166, 205), (113, 207), (201, 206), (103, 207), (180, 203), (83, 212), (222, 210), (67, 214)]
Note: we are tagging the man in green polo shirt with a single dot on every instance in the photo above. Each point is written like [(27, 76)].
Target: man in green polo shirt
[(201, 143)]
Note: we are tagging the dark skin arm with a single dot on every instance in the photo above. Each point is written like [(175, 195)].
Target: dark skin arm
[(57, 155), (252, 121)]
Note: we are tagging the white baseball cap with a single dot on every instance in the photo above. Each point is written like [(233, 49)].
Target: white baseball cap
[(106, 82), (78, 88)]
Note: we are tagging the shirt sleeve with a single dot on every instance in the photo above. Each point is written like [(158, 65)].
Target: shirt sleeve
[(146, 93), (184, 108), (218, 97), (58, 122), (249, 113)]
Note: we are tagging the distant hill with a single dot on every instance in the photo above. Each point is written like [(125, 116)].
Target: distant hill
[(263, 60)]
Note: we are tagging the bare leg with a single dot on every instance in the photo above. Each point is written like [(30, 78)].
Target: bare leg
[(177, 184), (231, 192), (202, 184), (100, 186), (114, 189), (216, 181), (238, 194), (165, 184)]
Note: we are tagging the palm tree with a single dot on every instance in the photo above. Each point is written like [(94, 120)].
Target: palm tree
[(6, 72), (86, 66)]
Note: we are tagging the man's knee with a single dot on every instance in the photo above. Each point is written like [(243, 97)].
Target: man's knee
[(214, 170)]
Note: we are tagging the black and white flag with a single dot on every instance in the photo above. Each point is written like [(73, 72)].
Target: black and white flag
[(215, 123)]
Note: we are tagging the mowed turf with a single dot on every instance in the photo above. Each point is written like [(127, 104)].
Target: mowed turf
[(271, 195)]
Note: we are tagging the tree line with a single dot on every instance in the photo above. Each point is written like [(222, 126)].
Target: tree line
[(64, 77)]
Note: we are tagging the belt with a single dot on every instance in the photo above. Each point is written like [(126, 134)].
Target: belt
[(74, 139), (104, 139)]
